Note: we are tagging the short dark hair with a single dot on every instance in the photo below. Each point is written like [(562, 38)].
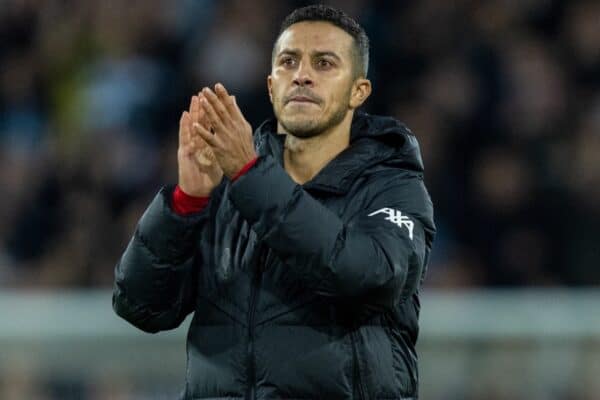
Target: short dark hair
[(321, 12)]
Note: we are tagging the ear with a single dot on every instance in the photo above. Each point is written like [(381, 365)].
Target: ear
[(361, 89), (270, 87)]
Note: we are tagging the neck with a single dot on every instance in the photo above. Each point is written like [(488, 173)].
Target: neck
[(305, 157)]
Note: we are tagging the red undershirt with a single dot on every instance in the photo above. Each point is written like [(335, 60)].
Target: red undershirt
[(184, 204)]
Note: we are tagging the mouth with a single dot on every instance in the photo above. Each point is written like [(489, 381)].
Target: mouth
[(302, 100)]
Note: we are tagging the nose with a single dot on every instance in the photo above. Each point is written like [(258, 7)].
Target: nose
[(302, 76)]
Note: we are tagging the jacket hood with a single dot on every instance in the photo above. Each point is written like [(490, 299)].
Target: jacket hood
[(374, 140), (391, 133), (383, 131)]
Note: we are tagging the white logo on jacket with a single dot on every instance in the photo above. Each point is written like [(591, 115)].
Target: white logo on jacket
[(397, 218)]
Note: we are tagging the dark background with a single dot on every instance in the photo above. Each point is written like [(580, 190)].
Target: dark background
[(504, 97)]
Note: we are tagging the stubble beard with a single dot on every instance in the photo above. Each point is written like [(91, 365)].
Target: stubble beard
[(309, 128)]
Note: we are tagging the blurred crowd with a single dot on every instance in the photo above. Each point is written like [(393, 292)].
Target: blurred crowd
[(504, 97)]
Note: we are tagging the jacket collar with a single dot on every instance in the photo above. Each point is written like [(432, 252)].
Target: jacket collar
[(373, 140)]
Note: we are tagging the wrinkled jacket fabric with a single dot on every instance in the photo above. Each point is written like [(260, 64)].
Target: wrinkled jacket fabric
[(298, 291)]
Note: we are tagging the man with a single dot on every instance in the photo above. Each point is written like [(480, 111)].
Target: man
[(300, 249)]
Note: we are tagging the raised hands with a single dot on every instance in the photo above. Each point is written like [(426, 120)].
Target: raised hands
[(199, 173), (231, 142)]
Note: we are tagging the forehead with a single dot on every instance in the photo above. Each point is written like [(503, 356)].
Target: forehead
[(308, 36)]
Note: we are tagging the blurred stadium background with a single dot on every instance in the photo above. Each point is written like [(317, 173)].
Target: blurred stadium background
[(504, 97)]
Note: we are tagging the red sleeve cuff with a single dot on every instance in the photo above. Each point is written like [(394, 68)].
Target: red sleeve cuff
[(184, 204), (245, 168)]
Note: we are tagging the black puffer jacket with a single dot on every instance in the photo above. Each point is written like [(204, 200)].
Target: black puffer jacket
[(298, 291)]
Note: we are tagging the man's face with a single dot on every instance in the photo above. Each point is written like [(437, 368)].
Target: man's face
[(311, 78)]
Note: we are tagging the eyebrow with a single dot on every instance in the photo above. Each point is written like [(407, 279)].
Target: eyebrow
[(296, 52)]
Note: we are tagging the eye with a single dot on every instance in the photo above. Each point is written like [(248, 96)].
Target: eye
[(324, 64), (287, 61)]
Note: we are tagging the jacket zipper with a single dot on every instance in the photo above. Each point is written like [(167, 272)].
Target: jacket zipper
[(357, 375), (254, 290)]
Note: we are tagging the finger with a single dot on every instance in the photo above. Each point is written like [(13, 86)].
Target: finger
[(211, 114), (241, 119), (210, 138), (202, 117), (226, 99), (188, 150), (216, 104), (236, 108), (184, 129), (196, 138), (191, 145), (197, 144), (194, 108), (181, 125)]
